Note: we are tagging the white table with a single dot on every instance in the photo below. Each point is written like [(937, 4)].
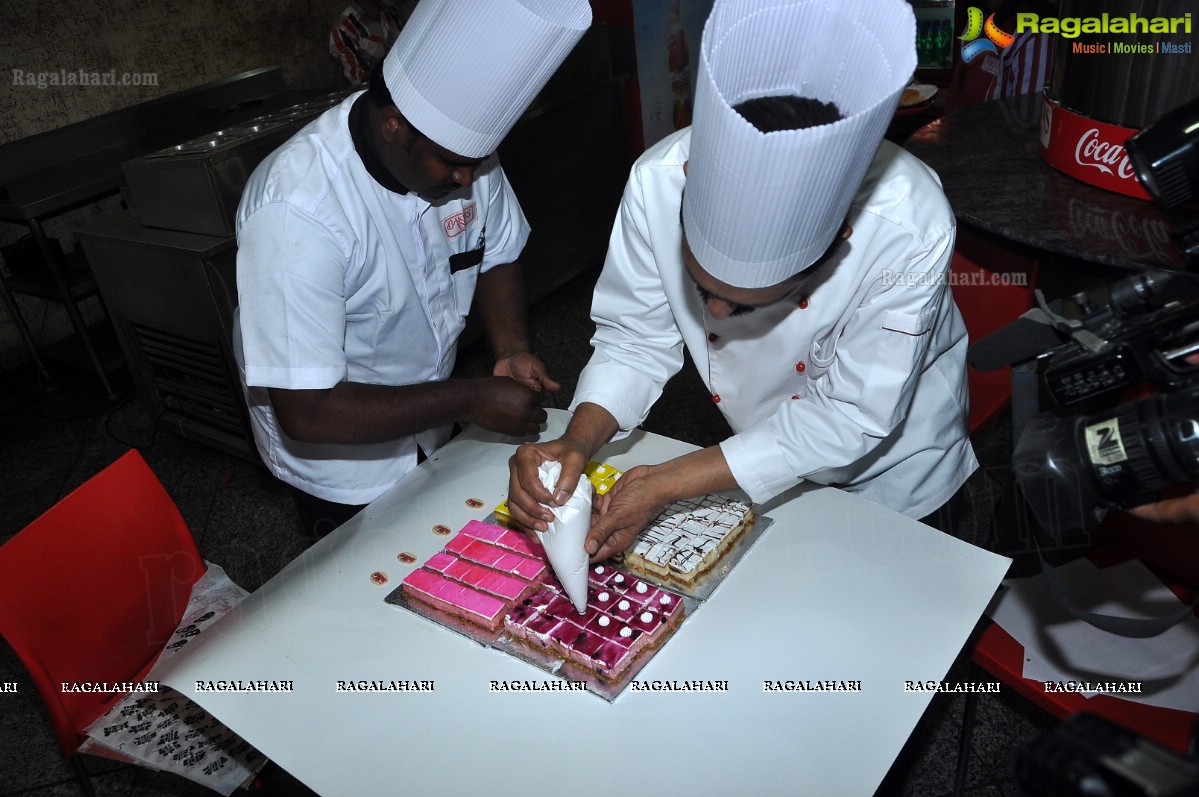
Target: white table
[(837, 589)]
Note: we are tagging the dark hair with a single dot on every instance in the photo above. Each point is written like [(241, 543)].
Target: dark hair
[(377, 89), (380, 96), (787, 112)]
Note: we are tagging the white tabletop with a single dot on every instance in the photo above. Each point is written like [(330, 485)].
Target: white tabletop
[(836, 589)]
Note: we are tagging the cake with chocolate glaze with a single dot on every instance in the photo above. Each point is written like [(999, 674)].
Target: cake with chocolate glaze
[(687, 539)]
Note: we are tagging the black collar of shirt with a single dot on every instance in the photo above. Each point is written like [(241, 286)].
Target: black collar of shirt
[(365, 146)]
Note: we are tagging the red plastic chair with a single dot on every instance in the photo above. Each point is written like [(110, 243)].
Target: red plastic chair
[(979, 270), (93, 589)]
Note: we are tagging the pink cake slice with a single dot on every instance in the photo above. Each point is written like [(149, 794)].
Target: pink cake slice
[(523, 566), (639, 592), (619, 581), (478, 530), (505, 587), (541, 598), (667, 603), (603, 599), (455, 598), (561, 607), (486, 554), (624, 610), (646, 621), (467, 547), (504, 538), (606, 639), (584, 650), (614, 658), (438, 562), (565, 635), (538, 629), (521, 543), (472, 574)]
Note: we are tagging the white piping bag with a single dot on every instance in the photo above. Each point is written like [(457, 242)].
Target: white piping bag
[(564, 540)]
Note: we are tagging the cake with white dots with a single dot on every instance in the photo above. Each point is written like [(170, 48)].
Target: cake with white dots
[(626, 619), (492, 579)]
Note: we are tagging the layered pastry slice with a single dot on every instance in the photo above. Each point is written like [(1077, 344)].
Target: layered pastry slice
[(688, 538)]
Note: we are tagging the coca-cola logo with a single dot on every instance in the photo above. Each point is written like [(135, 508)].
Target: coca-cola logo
[(1137, 236), (1106, 156)]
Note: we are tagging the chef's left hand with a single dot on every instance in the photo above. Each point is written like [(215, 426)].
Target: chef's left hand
[(527, 369), (625, 510)]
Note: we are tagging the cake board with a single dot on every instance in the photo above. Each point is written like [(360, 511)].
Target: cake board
[(547, 659)]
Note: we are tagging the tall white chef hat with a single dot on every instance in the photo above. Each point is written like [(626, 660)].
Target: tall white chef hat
[(761, 207), (463, 71)]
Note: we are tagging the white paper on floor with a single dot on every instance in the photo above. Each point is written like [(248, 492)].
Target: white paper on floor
[(165, 730), (1059, 648)]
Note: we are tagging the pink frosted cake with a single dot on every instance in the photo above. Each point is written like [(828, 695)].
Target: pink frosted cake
[(626, 618), (490, 576), (483, 572), (688, 538)]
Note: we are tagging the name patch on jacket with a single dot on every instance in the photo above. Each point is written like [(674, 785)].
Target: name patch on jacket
[(455, 225)]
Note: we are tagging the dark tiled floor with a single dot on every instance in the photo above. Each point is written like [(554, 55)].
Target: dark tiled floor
[(53, 440)]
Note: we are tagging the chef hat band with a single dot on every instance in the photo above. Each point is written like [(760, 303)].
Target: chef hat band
[(761, 207), (463, 71)]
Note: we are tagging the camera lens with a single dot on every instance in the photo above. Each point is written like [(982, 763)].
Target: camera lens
[(1074, 471)]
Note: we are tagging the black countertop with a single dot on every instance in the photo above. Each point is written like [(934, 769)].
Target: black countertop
[(993, 175)]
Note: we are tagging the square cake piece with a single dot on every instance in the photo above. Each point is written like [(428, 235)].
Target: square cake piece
[(479, 577), (686, 539), (490, 578), (617, 630)]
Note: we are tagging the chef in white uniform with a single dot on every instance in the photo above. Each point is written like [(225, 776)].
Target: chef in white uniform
[(805, 273), (364, 240)]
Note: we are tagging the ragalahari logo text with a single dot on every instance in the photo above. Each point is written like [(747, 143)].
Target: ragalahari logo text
[(994, 39)]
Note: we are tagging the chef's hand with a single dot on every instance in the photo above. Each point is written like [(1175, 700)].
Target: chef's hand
[(1184, 509), (526, 368), (626, 509), (504, 405), (526, 493)]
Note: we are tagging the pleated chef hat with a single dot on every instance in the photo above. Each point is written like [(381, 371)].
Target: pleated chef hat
[(761, 207), (463, 71)]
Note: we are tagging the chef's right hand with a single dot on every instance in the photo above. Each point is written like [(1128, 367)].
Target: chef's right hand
[(526, 493), (506, 406)]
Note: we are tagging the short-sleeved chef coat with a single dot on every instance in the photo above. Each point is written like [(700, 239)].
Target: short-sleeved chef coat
[(340, 279), (858, 382)]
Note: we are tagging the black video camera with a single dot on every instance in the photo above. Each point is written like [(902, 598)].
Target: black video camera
[(1073, 470)]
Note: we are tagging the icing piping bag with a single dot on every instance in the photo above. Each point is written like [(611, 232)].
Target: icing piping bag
[(563, 542)]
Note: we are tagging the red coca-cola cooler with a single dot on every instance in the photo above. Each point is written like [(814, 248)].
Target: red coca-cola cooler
[(1107, 85)]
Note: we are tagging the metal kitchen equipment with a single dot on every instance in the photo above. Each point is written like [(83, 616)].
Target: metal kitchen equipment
[(167, 270), (194, 186), (48, 174), (171, 297)]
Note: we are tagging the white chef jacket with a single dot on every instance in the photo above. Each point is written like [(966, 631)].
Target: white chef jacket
[(340, 279), (860, 383)]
